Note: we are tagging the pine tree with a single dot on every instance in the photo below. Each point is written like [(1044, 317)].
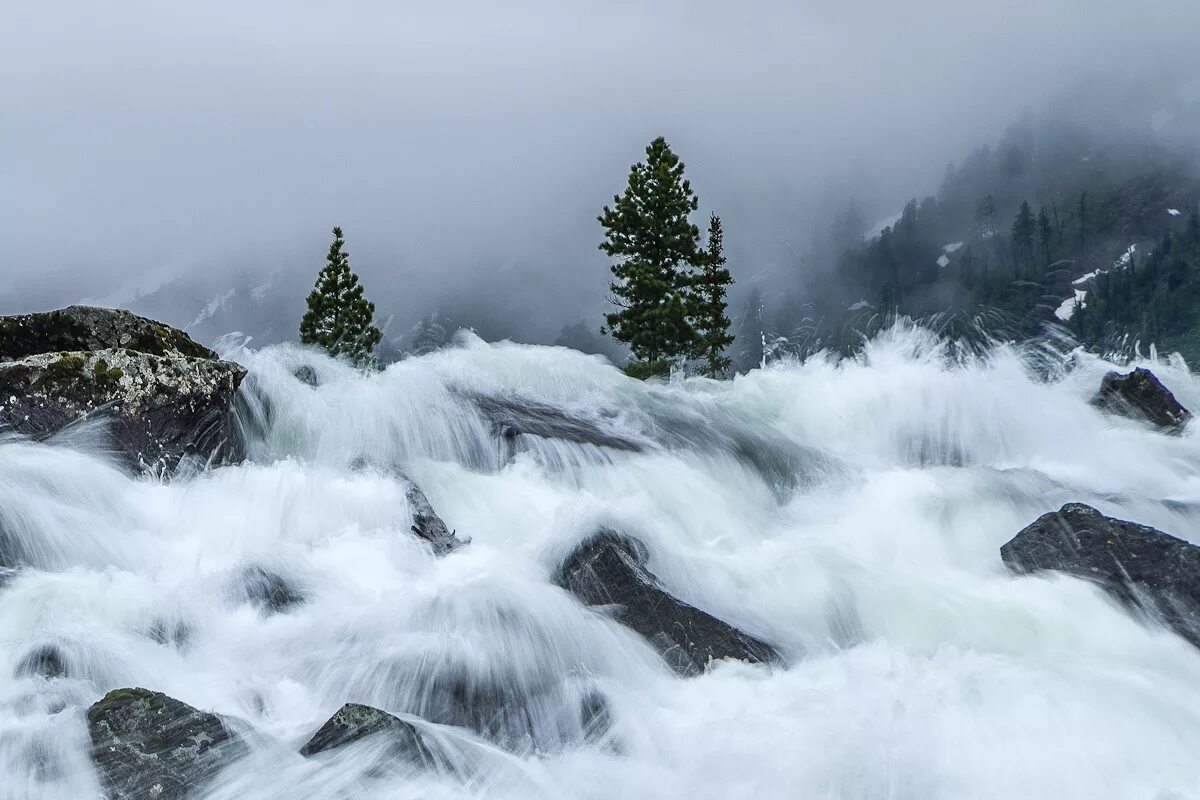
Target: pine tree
[(1045, 235), (984, 210), (339, 318), (656, 247), (1022, 234), (711, 285)]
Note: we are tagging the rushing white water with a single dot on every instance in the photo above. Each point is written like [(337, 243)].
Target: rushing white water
[(849, 513)]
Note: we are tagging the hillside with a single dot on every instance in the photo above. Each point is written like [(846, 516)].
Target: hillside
[(1052, 226)]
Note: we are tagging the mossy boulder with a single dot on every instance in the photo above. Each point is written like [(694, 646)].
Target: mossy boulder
[(148, 745), (165, 396), (90, 328)]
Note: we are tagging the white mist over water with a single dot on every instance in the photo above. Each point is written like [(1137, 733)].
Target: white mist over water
[(851, 514)]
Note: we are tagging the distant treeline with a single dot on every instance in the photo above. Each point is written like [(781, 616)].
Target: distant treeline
[(1009, 237)]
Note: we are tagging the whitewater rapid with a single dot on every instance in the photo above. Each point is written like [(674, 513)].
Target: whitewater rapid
[(849, 512)]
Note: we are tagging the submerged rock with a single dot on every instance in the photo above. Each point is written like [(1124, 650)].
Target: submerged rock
[(1140, 566), (306, 375), (609, 569), (595, 716), (267, 589), (1141, 396), (354, 722), (169, 632), (166, 396), (523, 708), (147, 745), (512, 417), (657, 422), (46, 660)]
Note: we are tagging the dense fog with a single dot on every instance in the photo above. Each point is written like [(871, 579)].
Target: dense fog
[(189, 160)]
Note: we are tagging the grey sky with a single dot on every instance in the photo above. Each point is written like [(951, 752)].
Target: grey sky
[(462, 142)]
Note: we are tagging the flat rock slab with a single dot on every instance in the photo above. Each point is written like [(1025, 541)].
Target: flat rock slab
[(1142, 567), (147, 746), (609, 569), (1140, 395)]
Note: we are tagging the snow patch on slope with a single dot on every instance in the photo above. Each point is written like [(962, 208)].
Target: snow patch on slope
[(218, 303), (1067, 309), (1121, 263), (886, 222)]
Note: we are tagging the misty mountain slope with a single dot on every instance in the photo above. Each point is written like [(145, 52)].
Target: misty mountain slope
[(211, 302), (1055, 225)]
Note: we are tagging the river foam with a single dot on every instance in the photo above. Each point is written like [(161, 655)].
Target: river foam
[(849, 512)]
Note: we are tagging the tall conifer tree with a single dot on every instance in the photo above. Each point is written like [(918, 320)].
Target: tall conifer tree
[(339, 318), (1022, 235), (710, 322), (1045, 235), (654, 246)]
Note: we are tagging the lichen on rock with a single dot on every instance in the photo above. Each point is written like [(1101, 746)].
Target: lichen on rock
[(89, 328), (148, 745), (168, 396)]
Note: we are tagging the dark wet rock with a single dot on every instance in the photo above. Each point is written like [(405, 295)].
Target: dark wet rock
[(306, 374), (267, 589), (609, 570), (146, 746), (45, 660), (513, 417), (7, 574), (1142, 567), (427, 524), (354, 722), (165, 397), (1140, 395)]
